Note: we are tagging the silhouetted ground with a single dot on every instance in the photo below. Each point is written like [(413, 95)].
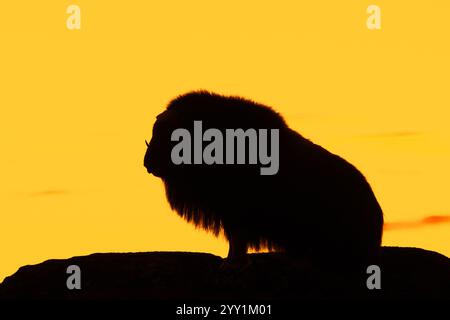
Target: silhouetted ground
[(405, 273)]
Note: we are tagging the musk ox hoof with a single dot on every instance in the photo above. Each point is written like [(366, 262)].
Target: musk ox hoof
[(235, 265)]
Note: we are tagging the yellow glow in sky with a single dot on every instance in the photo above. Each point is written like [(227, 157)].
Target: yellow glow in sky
[(77, 105)]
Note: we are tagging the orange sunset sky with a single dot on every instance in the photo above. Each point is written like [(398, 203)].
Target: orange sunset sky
[(77, 105)]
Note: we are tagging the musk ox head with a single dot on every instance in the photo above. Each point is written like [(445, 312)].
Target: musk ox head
[(213, 111), (157, 158)]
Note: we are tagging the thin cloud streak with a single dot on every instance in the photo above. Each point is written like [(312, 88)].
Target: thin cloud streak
[(430, 220), (395, 134), (48, 193)]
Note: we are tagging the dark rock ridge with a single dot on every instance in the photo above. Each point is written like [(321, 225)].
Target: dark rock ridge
[(405, 273)]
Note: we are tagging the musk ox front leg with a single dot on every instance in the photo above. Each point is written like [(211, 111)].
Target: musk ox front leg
[(237, 259), (237, 247)]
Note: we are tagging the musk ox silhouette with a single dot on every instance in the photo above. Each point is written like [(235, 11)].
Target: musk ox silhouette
[(317, 205)]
